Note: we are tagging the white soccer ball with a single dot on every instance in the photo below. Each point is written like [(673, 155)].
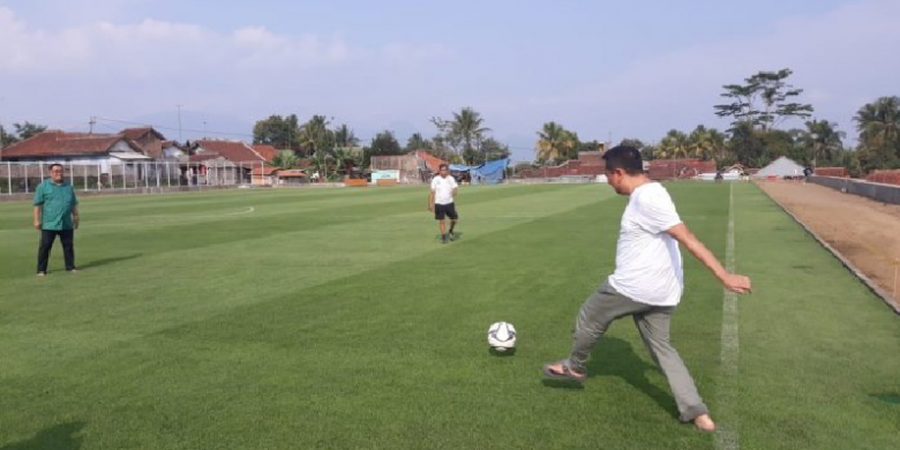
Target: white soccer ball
[(502, 336)]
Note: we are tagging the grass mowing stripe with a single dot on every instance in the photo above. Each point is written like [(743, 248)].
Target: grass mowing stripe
[(728, 436), (162, 276)]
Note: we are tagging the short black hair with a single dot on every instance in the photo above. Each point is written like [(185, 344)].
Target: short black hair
[(626, 158), (56, 165), (443, 166)]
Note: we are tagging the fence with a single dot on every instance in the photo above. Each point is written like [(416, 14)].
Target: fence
[(883, 193), (23, 177)]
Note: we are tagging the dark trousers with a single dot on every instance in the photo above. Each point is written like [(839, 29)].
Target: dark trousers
[(67, 237)]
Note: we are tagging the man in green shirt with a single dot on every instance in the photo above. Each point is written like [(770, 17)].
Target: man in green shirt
[(55, 213)]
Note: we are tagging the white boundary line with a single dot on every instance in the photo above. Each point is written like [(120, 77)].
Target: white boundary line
[(728, 437)]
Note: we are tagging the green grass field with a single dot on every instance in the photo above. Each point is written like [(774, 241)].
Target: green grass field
[(335, 319)]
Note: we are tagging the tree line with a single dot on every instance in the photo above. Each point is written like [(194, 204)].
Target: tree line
[(758, 108)]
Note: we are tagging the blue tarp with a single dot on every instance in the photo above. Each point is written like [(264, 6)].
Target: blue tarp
[(491, 172)]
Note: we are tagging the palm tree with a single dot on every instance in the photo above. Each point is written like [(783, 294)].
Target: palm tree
[(344, 137), (672, 146), (467, 126), (554, 142), (285, 159), (315, 135), (823, 139), (879, 122), (706, 143)]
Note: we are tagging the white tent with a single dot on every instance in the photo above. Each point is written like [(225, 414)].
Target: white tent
[(781, 167)]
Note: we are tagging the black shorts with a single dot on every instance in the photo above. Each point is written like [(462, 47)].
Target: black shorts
[(442, 211)]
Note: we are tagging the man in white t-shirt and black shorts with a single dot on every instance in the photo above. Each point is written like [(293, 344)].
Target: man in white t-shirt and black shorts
[(647, 283), (440, 200)]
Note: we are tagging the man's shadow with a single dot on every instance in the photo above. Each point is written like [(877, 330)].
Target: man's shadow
[(59, 437), (108, 261), (613, 357)]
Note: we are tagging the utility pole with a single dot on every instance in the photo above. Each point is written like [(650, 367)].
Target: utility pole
[(1, 134), (91, 122), (179, 123)]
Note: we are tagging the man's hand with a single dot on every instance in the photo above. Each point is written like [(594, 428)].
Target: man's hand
[(738, 284), (37, 224), (431, 207), (75, 221)]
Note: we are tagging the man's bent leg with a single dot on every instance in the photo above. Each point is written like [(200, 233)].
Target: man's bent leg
[(654, 328), (596, 314)]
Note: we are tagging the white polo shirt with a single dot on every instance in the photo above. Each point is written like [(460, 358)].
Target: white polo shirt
[(648, 261), (443, 189)]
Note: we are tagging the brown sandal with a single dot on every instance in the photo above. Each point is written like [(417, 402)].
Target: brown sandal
[(565, 375)]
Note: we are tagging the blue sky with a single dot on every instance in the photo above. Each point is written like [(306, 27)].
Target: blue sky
[(615, 68)]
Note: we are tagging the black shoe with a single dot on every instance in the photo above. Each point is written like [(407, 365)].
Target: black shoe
[(451, 236), (444, 239)]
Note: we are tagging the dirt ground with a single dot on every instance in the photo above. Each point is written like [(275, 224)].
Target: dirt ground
[(865, 231)]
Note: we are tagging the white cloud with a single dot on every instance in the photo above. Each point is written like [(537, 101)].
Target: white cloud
[(841, 58), (152, 48)]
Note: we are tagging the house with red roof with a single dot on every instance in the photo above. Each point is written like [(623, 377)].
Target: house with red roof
[(56, 146), (221, 162)]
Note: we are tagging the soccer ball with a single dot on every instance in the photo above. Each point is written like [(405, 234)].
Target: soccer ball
[(502, 336)]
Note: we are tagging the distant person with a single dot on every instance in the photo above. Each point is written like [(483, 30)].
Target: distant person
[(807, 172), (56, 214), (440, 200), (647, 283)]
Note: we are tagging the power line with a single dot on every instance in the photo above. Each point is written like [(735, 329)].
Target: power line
[(163, 127)]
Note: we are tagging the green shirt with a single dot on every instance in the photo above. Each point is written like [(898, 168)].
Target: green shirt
[(56, 202)]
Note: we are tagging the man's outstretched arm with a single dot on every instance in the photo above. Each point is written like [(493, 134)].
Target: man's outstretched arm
[(733, 282)]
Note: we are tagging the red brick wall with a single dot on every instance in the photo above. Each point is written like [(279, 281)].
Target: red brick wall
[(831, 171), (884, 176), (571, 167), (664, 169)]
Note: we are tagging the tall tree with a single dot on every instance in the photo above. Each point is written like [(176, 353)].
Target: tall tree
[(765, 100), (278, 131), (285, 159), (554, 143), (7, 138), (315, 137), (878, 124), (673, 146), (417, 142), (385, 144), (822, 141), (748, 145), (344, 137), (492, 149), (706, 143), (464, 133), (28, 129)]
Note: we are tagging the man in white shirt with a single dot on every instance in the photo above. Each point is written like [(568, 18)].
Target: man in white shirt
[(440, 200), (647, 283)]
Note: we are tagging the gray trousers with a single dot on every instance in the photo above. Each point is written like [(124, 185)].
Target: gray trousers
[(606, 305)]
